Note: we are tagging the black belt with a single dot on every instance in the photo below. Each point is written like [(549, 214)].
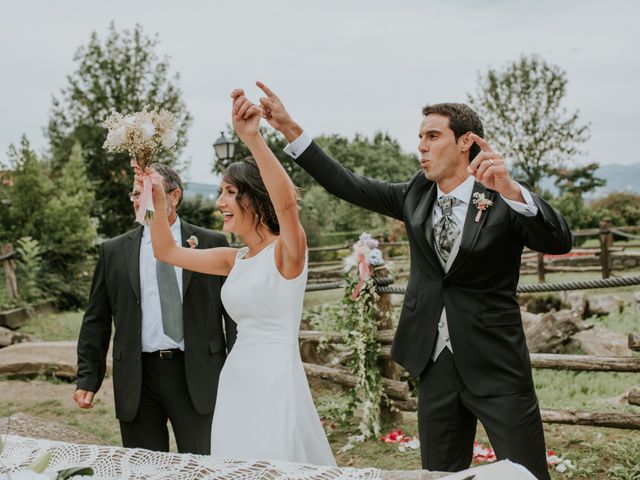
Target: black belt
[(165, 354)]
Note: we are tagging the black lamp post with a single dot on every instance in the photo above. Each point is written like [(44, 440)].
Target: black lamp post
[(224, 148)]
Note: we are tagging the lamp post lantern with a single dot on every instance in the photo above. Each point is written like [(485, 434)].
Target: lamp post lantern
[(224, 148)]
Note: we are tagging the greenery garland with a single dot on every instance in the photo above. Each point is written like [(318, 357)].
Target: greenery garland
[(360, 325)]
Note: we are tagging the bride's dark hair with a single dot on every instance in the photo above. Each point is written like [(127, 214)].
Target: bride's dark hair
[(252, 192)]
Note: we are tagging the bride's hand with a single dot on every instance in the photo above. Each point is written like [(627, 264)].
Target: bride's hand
[(245, 116), (157, 191)]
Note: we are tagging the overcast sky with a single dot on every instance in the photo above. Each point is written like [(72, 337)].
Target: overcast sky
[(340, 66)]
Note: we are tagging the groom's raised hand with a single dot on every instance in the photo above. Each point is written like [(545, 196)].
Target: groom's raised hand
[(489, 168), (273, 111)]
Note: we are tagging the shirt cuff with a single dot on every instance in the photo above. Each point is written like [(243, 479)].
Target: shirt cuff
[(528, 209), (298, 146)]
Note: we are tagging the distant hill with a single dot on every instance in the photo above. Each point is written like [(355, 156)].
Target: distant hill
[(619, 178)]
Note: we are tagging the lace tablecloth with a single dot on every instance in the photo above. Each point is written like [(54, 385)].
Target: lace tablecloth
[(132, 463)]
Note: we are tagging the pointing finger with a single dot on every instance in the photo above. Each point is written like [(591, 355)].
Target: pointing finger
[(265, 89), (484, 146)]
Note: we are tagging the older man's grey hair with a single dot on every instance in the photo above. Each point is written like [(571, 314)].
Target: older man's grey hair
[(170, 177)]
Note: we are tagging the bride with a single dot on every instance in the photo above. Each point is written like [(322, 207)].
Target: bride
[(264, 408)]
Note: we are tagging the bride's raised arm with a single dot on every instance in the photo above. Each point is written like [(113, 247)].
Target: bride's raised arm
[(292, 243), (215, 261)]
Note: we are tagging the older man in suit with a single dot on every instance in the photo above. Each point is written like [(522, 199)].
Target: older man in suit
[(169, 342), (460, 331)]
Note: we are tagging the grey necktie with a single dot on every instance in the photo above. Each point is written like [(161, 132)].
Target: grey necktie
[(446, 231), (170, 301)]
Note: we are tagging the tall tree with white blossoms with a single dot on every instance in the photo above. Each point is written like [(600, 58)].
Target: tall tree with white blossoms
[(521, 108), (121, 73)]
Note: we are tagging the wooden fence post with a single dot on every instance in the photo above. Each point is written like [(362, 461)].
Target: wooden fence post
[(388, 368), (606, 242), (541, 267), (9, 264)]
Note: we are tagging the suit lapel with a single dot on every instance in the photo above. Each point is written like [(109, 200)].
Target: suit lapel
[(422, 225), (132, 256), (186, 231), (471, 227)]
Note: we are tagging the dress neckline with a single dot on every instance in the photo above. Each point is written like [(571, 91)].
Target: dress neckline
[(245, 250)]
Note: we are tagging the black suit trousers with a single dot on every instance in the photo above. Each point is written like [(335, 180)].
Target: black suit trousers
[(165, 397), (448, 413)]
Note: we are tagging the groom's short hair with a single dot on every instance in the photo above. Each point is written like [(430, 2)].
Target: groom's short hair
[(170, 179), (462, 119)]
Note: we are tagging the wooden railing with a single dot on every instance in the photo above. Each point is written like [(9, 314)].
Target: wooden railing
[(399, 391), (537, 263)]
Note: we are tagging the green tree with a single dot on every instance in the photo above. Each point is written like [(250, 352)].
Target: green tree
[(579, 180), (521, 107), (326, 218), (69, 234), (27, 195), (379, 157), (54, 212), (201, 212), (121, 73), (572, 184), (574, 210), (622, 207)]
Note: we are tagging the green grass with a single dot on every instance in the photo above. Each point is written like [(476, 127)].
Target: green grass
[(599, 453), (626, 322), (54, 326), (584, 390)]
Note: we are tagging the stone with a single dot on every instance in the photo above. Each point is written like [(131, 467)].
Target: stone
[(576, 301), (14, 318), (549, 332), (600, 305), (601, 341), (9, 337), (41, 358)]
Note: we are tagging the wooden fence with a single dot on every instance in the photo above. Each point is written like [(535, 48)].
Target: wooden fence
[(612, 243), (399, 390)]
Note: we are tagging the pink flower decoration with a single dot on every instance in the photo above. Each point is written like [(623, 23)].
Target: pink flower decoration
[(193, 241)]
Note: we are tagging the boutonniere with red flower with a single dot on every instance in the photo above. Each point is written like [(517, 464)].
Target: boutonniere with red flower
[(482, 203), (193, 241)]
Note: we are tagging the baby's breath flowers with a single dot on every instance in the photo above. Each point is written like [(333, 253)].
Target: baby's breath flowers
[(141, 135)]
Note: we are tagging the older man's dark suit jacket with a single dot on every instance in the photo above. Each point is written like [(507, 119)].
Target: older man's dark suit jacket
[(115, 294), (479, 290)]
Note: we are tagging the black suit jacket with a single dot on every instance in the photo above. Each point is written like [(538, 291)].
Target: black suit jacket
[(115, 295), (479, 290)]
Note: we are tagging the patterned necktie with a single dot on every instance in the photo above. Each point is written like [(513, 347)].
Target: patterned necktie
[(446, 231), (170, 301)]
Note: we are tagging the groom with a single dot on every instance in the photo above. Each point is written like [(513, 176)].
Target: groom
[(168, 345), (460, 329)]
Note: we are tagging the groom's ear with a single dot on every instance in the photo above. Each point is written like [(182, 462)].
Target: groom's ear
[(465, 143)]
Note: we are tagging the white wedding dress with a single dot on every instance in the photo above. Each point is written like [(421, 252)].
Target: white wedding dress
[(264, 408)]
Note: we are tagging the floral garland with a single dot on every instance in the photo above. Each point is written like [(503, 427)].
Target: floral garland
[(360, 324)]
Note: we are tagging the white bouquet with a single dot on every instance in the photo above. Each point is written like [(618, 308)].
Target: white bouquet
[(142, 135)]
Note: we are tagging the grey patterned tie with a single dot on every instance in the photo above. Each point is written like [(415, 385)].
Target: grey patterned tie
[(446, 231), (170, 301)]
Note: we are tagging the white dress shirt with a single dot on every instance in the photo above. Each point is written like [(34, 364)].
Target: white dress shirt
[(463, 193), (153, 337)]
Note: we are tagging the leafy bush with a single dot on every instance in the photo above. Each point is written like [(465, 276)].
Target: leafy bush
[(622, 207)]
